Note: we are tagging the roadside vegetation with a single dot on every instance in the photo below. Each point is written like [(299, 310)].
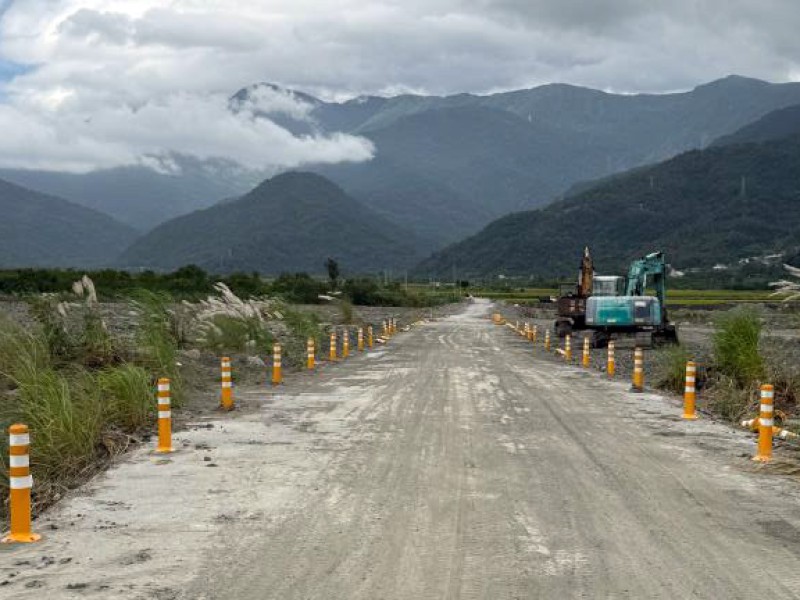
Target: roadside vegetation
[(83, 393), (85, 386), (192, 283), (740, 359)]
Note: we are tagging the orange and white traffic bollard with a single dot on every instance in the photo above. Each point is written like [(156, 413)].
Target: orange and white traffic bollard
[(765, 423), (226, 399), (164, 418), (20, 483), (567, 348), (586, 357), (638, 370), (332, 354), (360, 339), (547, 340), (277, 366), (689, 392), (611, 363), (310, 359), (526, 331), (345, 343), (370, 337)]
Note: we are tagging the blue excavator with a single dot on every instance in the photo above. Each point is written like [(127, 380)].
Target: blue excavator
[(632, 311), (611, 306)]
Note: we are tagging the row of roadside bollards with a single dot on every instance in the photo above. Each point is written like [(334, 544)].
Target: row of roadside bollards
[(764, 423), (21, 482)]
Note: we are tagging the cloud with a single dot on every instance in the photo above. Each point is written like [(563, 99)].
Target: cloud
[(197, 125), (111, 89), (107, 71)]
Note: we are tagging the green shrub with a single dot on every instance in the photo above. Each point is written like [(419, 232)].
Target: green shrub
[(362, 291), (246, 285), (298, 288), (736, 346)]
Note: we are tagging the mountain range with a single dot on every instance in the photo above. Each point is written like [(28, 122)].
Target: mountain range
[(292, 222), (140, 196), (704, 208), (717, 156), (446, 166), (38, 230)]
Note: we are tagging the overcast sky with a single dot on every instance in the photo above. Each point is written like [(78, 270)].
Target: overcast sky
[(97, 83)]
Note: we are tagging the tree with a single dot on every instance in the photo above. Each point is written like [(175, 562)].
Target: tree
[(333, 271)]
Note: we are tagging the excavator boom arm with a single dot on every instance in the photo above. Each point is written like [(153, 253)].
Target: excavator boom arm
[(653, 266)]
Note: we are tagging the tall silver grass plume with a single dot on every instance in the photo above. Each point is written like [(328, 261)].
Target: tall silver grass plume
[(91, 293), (230, 305), (84, 288)]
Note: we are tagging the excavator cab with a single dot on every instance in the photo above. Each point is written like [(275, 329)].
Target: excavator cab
[(608, 285)]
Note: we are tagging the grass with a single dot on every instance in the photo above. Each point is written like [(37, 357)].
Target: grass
[(669, 372), (65, 416), (157, 348), (675, 297), (736, 346), (224, 334), (96, 346), (726, 397), (347, 311), (301, 326), (78, 416), (127, 394), (738, 366)]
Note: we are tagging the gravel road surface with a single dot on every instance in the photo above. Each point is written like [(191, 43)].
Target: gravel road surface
[(451, 464)]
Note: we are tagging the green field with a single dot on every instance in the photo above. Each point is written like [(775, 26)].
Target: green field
[(674, 297)]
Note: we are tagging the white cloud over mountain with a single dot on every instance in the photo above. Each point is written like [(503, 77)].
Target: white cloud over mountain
[(116, 81)]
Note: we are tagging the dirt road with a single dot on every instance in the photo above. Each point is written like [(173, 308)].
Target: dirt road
[(454, 464)]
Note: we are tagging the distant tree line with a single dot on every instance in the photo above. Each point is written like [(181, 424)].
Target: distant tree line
[(192, 282)]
